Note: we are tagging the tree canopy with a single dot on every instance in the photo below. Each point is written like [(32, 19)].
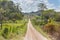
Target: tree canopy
[(9, 10)]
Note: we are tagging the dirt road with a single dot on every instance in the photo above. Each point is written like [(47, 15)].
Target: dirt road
[(32, 34)]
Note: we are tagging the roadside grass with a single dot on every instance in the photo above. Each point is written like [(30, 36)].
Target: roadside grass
[(42, 32), (39, 29), (13, 31)]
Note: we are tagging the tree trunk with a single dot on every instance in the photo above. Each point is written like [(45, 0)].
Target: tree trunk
[(1, 23), (1, 20)]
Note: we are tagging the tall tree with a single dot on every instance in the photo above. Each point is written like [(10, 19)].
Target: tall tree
[(10, 11), (42, 6), (1, 16)]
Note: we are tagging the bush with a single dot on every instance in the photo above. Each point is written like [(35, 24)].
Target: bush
[(5, 33), (49, 28)]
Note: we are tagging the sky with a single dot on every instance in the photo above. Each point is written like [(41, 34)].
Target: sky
[(32, 5)]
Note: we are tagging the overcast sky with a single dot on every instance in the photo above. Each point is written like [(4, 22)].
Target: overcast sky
[(32, 5)]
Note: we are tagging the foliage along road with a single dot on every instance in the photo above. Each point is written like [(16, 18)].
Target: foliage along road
[(32, 34)]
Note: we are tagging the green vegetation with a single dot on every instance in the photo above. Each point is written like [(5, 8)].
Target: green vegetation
[(9, 11), (11, 29), (49, 26), (12, 22), (47, 23), (38, 26)]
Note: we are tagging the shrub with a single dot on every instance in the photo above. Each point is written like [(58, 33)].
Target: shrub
[(5, 33), (49, 28)]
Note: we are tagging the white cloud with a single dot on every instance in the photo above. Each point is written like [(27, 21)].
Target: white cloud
[(57, 9), (29, 1), (31, 5), (49, 5)]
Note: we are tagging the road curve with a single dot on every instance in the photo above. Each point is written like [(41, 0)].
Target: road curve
[(32, 34)]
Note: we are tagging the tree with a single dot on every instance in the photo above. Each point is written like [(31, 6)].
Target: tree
[(42, 6), (1, 15), (49, 13), (11, 10)]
